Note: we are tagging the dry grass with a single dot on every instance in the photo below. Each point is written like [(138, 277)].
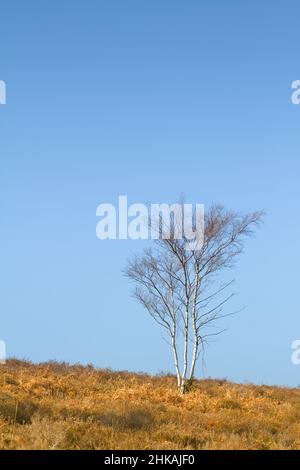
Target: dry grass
[(57, 406)]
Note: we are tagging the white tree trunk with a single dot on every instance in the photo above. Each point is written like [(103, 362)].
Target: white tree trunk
[(185, 347), (174, 347), (194, 320)]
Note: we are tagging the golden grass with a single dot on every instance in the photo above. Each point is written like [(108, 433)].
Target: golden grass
[(57, 406)]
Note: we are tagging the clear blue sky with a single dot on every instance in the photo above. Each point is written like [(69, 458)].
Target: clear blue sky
[(148, 99)]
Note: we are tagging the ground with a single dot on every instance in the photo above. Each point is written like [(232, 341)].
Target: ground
[(58, 406)]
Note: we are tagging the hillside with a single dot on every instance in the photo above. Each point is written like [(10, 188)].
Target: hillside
[(57, 406)]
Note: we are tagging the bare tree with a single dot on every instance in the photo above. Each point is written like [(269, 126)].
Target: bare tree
[(178, 286)]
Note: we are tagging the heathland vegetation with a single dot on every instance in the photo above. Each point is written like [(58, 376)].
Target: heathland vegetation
[(58, 406)]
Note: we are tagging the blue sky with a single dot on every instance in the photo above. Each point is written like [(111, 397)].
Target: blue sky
[(148, 99)]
